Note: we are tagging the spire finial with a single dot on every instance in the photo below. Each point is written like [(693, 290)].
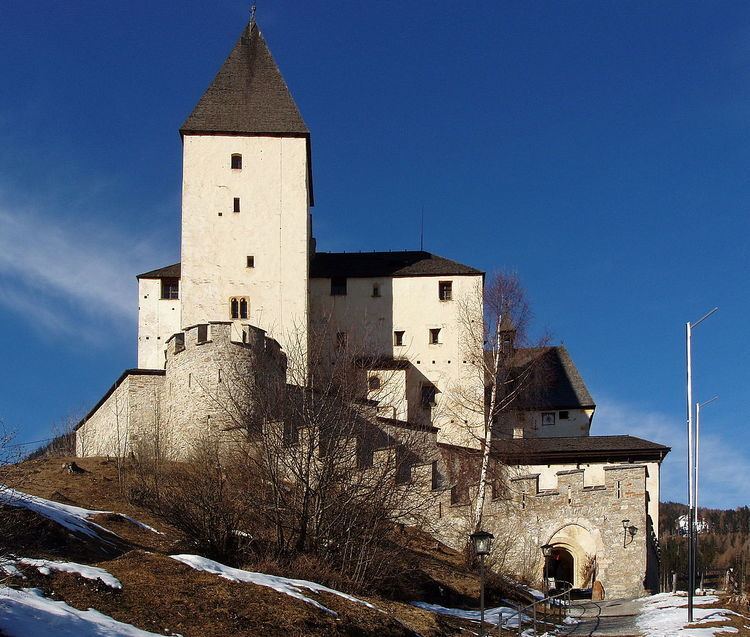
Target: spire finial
[(252, 13)]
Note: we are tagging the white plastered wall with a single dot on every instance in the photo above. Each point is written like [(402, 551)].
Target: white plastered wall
[(158, 319), (272, 226), (578, 423), (411, 305)]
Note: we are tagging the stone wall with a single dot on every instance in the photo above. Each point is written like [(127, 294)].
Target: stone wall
[(123, 417), (586, 521)]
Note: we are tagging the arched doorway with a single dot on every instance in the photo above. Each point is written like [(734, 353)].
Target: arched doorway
[(561, 568)]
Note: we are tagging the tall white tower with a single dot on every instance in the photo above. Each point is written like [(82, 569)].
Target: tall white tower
[(246, 193)]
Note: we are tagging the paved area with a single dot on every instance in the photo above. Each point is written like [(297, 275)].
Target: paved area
[(609, 618)]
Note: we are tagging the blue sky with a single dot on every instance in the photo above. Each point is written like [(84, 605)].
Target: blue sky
[(599, 149)]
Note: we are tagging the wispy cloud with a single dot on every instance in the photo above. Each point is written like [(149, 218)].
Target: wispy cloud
[(66, 275), (724, 466)]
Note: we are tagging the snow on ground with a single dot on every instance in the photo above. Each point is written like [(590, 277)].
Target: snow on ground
[(665, 614), (89, 572), (27, 612), (509, 616), (281, 584), (73, 518)]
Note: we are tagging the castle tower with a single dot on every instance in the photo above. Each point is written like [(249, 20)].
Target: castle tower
[(246, 193)]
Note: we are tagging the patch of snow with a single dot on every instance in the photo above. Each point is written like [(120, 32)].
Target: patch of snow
[(89, 572), (284, 585), (73, 518), (532, 591), (9, 568), (508, 616), (27, 612), (665, 614)]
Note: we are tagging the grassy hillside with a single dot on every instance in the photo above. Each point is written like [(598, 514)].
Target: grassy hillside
[(164, 596)]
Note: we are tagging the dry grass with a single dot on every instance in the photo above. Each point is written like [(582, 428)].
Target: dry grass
[(164, 596)]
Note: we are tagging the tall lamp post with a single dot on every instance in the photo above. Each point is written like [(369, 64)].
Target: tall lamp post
[(698, 407), (482, 542), (691, 450)]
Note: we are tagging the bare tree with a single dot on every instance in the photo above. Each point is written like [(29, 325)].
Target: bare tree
[(493, 321)]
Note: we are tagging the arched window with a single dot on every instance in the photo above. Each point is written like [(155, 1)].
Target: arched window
[(236, 161), (243, 308), (234, 308)]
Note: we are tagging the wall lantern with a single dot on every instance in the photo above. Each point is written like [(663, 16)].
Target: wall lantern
[(628, 529)]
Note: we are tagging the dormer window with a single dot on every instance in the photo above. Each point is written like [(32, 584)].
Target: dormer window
[(236, 161)]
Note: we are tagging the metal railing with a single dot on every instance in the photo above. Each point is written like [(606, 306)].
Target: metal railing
[(554, 606)]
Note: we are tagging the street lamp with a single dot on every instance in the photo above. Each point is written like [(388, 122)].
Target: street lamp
[(691, 491), (482, 542), (695, 485), (547, 553)]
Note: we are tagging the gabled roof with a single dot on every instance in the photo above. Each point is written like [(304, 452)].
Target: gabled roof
[(555, 382), (167, 272), (248, 95), (402, 263)]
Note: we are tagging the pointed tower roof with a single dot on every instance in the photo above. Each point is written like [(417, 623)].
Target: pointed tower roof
[(248, 95)]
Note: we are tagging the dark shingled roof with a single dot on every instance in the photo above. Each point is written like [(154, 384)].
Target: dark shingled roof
[(167, 272), (402, 263), (579, 447), (556, 383), (248, 95), (571, 449)]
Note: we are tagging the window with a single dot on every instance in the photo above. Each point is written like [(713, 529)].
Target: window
[(338, 286), (445, 290), (398, 338), (238, 307), (564, 415), (341, 340), (236, 204), (435, 336), (618, 491), (373, 382), (203, 333), (428, 396), (376, 289), (548, 418), (250, 262), (170, 289), (236, 161)]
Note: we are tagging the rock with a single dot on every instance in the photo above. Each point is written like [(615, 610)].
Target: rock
[(72, 467)]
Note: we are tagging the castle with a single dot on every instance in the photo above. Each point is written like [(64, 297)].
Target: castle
[(252, 296)]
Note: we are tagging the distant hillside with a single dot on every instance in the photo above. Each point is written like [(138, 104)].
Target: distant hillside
[(723, 537)]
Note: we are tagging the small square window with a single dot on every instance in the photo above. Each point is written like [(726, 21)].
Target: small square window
[(548, 418), (373, 382), (250, 262), (236, 161), (341, 340), (338, 286), (398, 338), (564, 415), (237, 204), (445, 290), (435, 336), (170, 289)]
